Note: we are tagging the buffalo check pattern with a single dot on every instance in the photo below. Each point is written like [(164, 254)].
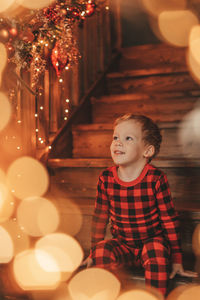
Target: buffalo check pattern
[(143, 222)]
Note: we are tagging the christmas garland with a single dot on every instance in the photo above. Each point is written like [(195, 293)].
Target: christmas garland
[(46, 36)]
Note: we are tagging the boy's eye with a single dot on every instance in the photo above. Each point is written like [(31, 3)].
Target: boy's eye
[(115, 137), (129, 138)]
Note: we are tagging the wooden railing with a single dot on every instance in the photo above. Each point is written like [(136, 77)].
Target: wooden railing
[(39, 117)]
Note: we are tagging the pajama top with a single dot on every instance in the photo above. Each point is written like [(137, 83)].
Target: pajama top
[(137, 210)]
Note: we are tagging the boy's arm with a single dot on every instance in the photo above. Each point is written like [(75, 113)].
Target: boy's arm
[(101, 214), (169, 218)]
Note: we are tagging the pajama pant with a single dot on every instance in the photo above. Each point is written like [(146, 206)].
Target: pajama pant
[(154, 256)]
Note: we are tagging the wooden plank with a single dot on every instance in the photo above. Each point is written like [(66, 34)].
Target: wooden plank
[(90, 141), (153, 56), (81, 181), (57, 163), (170, 95), (173, 109), (156, 83)]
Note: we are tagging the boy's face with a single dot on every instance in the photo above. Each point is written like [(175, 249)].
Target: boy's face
[(128, 146)]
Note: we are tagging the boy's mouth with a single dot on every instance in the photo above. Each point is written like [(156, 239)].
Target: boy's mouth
[(118, 152)]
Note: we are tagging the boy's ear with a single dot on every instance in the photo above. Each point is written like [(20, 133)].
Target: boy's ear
[(149, 152)]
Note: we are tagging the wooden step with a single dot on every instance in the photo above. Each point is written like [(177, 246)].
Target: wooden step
[(118, 83), (93, 140), (159, 56), (78, 177), (166, 107)]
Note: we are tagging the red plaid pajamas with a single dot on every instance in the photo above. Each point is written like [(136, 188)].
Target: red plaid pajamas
[(144, 224)]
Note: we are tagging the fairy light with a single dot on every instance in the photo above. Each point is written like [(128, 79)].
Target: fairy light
[(67, 100), (50, 147), (41, 107), (60, 80), (19, 121), (36, 130), (107, 7)]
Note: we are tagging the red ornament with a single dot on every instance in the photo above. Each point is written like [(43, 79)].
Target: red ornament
[(13, 32), (59, 59)]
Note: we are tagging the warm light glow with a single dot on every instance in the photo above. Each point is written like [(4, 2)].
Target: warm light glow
[(65, 250), (7, 203), (6, 249), (27, 177), (5, 4), (193, 58), (61, 293), (5, 109), (71, 218), (20, 239), (185, 292), (94, 284), (194, 42), (38, 216), (175, 26), (36, 4), (30, 275), (2, 176), (141, 294), (3, 56), (155, 7)]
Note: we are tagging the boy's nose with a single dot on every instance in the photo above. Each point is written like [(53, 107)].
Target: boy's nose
[(118, 142)]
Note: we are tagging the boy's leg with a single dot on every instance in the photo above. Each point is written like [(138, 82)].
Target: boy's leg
[(155, 260), (111, 254)]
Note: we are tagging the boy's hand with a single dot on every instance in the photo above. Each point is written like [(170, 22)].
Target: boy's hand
[(87, 262), (178, 269)]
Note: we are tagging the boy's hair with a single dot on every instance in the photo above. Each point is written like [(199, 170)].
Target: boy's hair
[(150, 130)]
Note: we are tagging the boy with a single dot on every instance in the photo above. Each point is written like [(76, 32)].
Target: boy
[(135, 197)]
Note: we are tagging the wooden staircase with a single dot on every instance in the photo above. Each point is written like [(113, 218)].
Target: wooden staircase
[(151, 80)]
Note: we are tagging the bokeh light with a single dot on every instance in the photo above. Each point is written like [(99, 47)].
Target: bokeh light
[(142, 294), (7, 203), (189, 133), (5, 4), (185, 292), (94, 284), (6, 249), (61, 293), (65, 250), (19, 238), (36, 4), (29, 273), (27, 177), (71, 218), (155, 7), (38, 216), (2, 176), (175, 26), (5, 109), (193, 56), (194, 42)]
